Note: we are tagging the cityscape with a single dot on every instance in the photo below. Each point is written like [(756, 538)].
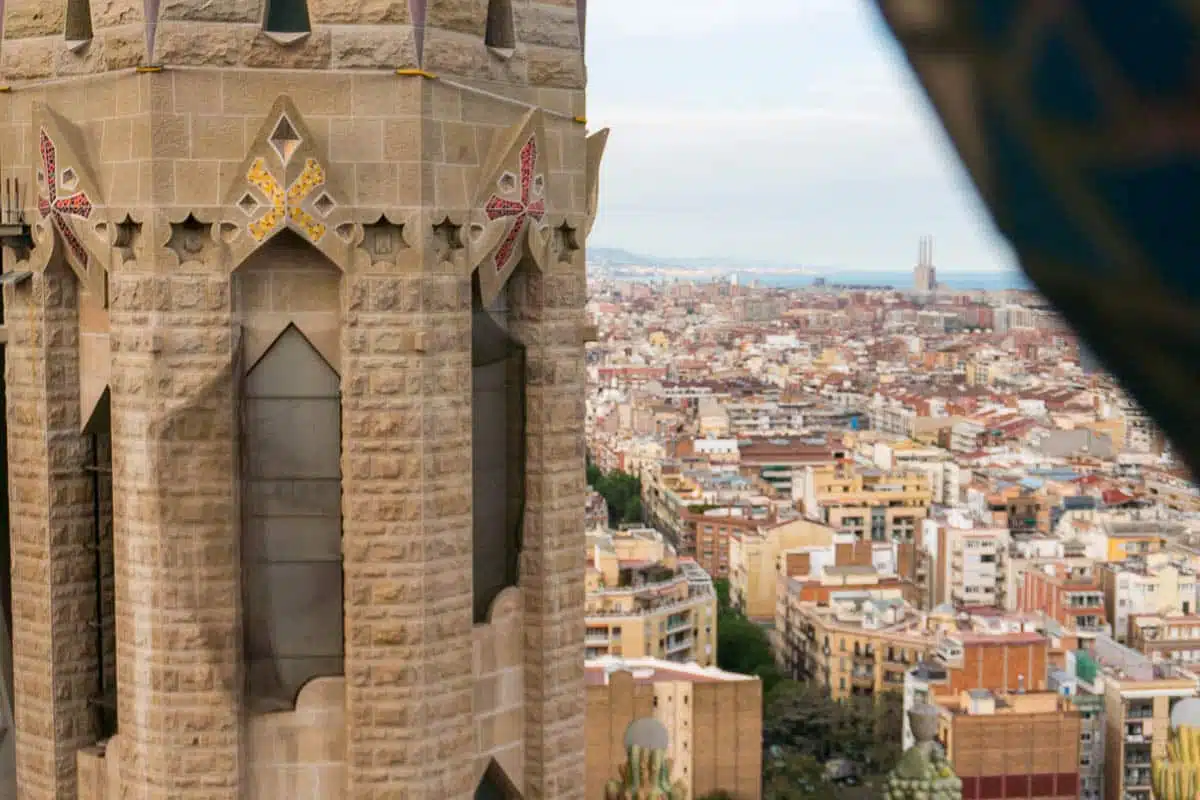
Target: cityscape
[(409, 400), (919, 495)]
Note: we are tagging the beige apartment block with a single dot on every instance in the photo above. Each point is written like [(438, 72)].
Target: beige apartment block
[(755, 562), (871, 505), (644, 602), (858, 642), (713, 720), (305, 279)]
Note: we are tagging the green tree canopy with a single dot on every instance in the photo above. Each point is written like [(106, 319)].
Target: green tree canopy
[(801, 718), (622, 492)]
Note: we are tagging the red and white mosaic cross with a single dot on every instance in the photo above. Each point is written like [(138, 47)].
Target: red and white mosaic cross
[(58, 208), (531, 204)]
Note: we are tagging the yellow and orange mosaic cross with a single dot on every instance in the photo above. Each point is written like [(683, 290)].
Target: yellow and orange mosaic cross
[(286, 204)]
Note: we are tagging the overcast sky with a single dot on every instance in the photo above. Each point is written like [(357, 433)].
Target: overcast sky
[(783, 130)]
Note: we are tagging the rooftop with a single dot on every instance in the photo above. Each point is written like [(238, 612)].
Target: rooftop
[(597, 671)]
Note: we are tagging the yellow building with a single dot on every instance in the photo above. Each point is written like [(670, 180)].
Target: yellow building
[(713, 720), (1133, 538), (643, 601), (870, 504), (860, 642), (754, 562)]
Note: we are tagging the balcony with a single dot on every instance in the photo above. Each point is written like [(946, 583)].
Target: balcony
[(679, 644), (596, 640), (1136, 778)]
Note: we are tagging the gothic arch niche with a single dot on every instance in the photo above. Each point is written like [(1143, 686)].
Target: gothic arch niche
[(497, 449), (286, 300)]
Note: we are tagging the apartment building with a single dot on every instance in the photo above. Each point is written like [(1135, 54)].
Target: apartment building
[(1162, 638), (713, 720), (666, 496), (1067, 591), (1123, 538), (1018, 745), (971, 566), (755, 562), (777, 460), (935, 463), (1091, 730), (869, 504), (1155, 584), (711, 529), (1138, 698), (643, 601), (975, 650), (858, 643)]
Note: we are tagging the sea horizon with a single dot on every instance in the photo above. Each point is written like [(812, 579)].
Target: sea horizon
[(991, 281), (965, 280)]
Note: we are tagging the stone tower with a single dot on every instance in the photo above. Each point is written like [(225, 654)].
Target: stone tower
[(294, 294)]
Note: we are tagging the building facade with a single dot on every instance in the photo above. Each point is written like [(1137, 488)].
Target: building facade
[(295, 396), (1016, 745), (755, 559), (870, 505), (860, 643), (644, 602), (713, 720)]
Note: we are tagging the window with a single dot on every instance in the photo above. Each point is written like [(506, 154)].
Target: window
[(77, 29), (287, 19), (498, 451), (292, 522), (103, 624), (501, 32)]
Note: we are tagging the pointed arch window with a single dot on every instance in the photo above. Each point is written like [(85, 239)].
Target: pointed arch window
[(287, 21), (291, 530), (77, 30), (498, 451), (501, 29)]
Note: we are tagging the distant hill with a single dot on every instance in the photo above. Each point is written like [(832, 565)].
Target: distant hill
[(617, 257)]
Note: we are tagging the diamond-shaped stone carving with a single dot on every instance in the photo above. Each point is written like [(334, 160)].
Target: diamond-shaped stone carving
[(324, 204), (248, 204), (284, 139)]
